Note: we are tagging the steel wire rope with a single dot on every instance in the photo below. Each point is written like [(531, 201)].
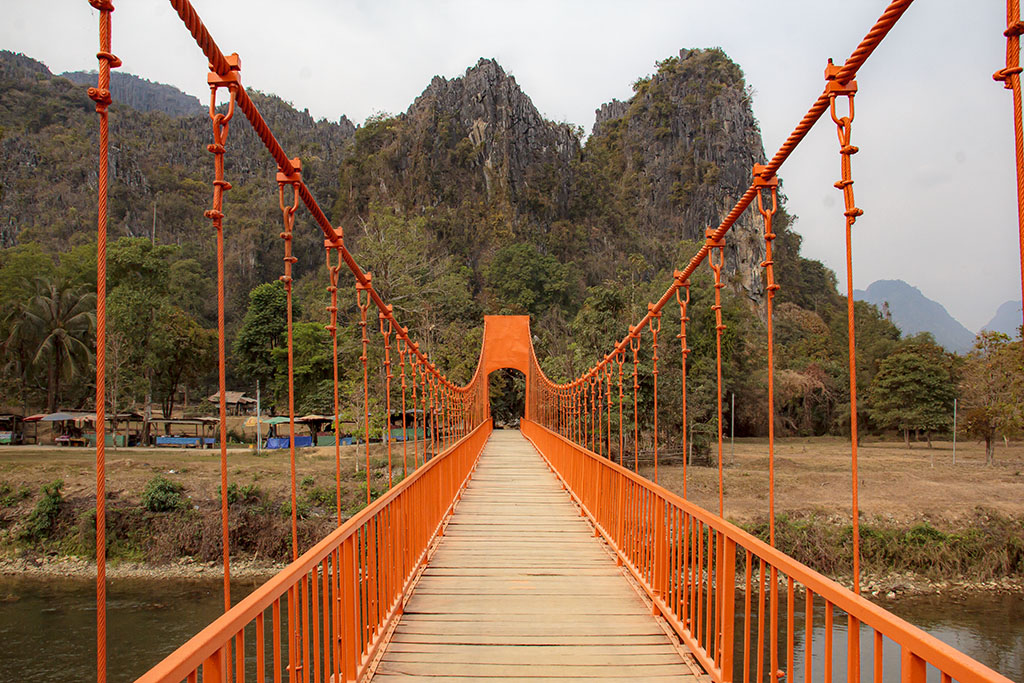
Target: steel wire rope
[(101, 96)]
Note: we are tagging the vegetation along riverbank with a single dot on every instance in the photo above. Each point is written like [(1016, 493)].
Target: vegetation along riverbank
[(922, 529)]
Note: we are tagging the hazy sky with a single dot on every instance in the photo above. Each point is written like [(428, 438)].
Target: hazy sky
[(935, 174)]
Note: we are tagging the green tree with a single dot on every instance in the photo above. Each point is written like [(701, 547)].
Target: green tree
[(520, 279), (913, 389), (59, 323), (262, 331), (181, 350), (992, 389), (312, 367)]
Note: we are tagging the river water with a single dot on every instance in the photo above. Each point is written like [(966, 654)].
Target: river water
[(47, 627)]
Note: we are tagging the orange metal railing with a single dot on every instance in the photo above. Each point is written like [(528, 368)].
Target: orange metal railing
[(325, 616), (688, 560)]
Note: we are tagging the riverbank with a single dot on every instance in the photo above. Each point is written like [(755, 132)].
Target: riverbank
[(878, 587), (924, 529)]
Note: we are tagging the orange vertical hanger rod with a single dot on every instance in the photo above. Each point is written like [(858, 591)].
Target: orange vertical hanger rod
[(101, 96), (717, 246), (764, 180), (221, 122)]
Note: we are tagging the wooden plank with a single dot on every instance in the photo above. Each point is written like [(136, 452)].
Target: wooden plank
[(403, 678), (450, 640), (485, 653), (485, 670), (519, 589)]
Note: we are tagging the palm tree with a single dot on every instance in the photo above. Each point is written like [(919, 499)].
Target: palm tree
[(59, 321)]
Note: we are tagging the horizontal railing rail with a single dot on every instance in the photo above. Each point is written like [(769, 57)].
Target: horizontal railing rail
[(687, 560), (330, 609)]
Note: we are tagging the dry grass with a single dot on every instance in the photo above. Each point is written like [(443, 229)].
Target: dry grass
[(128, 469), (812, 476)]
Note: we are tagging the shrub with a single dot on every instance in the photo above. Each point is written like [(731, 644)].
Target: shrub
[(40, 521), (9, 497), (162, 495), (248, 494)]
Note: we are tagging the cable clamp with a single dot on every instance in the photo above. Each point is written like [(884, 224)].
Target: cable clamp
[(293, 178), (233, 75), (833, 88), (763, 177)]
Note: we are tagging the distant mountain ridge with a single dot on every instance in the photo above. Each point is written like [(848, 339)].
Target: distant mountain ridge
[(1006, 320), (142, 94), (912, 312)]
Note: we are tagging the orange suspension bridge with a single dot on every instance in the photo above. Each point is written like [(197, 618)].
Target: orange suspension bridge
[(542, 554)]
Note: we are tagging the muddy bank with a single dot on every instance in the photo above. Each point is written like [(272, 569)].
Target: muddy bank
[(184, 568)]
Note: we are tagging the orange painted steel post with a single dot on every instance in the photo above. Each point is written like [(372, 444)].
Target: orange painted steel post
[(844, 128), (1009, 76), (683, 283), (728, 602), (221, 122), (719, 245), (655, 326), (660, 570), (101, 96)]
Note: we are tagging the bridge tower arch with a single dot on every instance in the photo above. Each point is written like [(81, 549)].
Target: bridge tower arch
[(507, 344)]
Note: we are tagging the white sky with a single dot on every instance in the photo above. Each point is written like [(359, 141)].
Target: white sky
[(935, 175)]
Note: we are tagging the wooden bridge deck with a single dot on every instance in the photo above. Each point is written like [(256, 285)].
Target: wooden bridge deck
[(519, 589)]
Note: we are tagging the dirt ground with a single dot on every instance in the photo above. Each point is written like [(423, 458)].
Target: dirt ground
[(129, 469), (812, 476)]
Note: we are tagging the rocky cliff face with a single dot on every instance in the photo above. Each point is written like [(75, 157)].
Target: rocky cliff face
[(687, 142), (141, 94), (159, 167), (503, 136), (475, 155)]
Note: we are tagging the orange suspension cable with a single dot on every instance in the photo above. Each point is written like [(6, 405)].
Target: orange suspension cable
[(655, 327), (401, 343), (333, 268), (867, 46), (634, 346), (764, 180), (844, 129), (719, 245), (288, 214), (386, 330), (216, 215), (1010, 78), (363, 305), (683, 319), (101, 96)]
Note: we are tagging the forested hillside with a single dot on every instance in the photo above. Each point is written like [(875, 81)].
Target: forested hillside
[(469, 202)]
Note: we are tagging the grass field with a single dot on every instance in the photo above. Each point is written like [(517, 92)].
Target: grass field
[(812, 476)]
